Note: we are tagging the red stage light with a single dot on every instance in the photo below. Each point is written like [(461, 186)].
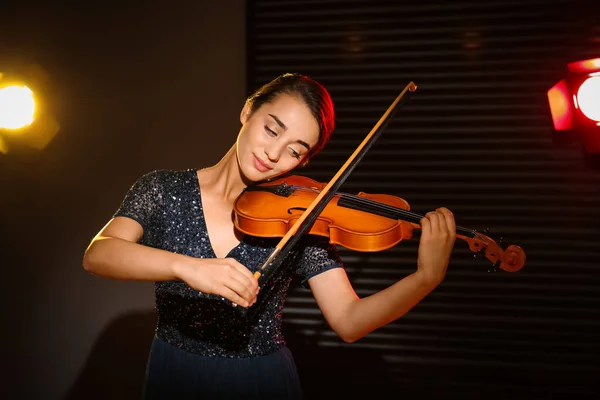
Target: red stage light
[(590, 65), (588, 98), (561, 106), (575, 108)]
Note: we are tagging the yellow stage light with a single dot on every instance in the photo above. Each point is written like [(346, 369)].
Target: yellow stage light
[(27, 108), (17, 107)]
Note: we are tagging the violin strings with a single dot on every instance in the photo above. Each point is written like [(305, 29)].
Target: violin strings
[(354, 199), (395, 210), (410, 216), (397, 213), (482, 238)]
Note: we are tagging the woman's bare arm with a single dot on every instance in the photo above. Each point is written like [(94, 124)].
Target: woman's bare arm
[(352, 317), (115, 253)]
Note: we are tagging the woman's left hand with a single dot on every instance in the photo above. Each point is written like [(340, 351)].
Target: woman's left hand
[(438, 234)]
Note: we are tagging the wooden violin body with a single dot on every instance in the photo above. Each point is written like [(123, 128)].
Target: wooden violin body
[(273, 213)]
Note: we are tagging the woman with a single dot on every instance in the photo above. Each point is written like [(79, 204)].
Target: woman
[(175, 228)]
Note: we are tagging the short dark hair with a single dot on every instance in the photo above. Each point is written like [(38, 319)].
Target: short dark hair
[(314, 95)]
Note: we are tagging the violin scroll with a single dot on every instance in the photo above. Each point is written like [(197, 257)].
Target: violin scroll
[(511, 259)]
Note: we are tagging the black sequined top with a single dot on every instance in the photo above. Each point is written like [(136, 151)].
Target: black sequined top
[(168, 206)]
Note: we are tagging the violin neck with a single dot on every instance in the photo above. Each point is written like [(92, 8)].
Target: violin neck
[(360, 203)]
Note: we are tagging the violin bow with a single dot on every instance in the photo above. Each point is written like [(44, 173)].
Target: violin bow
[(309, 216)]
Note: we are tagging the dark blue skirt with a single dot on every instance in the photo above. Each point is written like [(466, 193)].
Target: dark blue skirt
[(176, 374)]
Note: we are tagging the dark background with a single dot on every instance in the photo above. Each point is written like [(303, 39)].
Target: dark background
[(476, 137), (152, 86), (135, 88)]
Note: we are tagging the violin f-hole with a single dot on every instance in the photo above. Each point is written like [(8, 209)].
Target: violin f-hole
[(302, 209)]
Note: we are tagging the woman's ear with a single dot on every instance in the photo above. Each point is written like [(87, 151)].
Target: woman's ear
[(245, 114)]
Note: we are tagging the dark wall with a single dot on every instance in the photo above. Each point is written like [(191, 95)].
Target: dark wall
[(134, 89), (475, 137)]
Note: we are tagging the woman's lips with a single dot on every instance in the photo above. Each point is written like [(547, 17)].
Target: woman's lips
[(261, 166)]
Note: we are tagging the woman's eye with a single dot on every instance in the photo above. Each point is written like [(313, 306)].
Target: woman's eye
[(269, 131), (295, 154)]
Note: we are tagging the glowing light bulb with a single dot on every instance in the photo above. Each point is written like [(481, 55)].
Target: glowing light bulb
[(17, 107)]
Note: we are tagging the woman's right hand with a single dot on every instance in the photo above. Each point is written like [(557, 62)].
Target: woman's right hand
[(224, 277)]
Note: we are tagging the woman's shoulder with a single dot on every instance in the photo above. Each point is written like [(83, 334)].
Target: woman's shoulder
[(165, 180), (167, 176)]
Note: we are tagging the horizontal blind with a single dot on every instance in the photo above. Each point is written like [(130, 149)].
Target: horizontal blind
[(475, 137)]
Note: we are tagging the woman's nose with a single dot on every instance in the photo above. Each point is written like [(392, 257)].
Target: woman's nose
[(273, 153)]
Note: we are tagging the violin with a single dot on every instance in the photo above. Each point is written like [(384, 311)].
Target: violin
[(362, 222)]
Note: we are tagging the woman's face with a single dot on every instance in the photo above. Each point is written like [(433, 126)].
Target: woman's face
[(275, 138)]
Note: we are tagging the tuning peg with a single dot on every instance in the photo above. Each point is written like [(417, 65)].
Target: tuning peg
[(486, 230)]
